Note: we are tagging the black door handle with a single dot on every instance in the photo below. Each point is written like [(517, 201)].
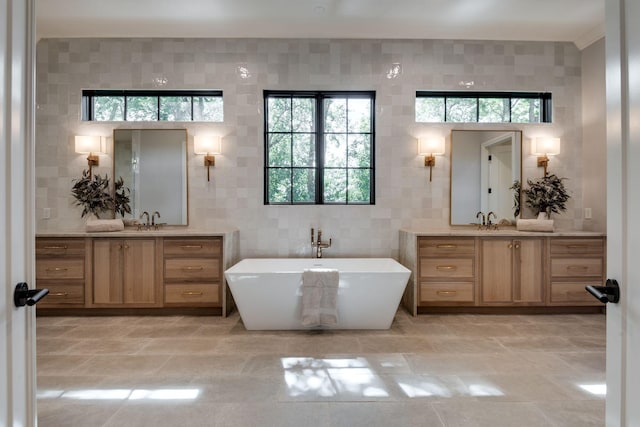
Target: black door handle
[(24, 296), (608, 293)]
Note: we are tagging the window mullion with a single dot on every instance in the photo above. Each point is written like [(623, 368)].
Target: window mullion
[(291, 148), (446, 99), (346, 160), (320, 143), (510, 107)]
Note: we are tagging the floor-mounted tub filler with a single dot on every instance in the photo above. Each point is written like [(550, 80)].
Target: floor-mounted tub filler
[(268, 291)]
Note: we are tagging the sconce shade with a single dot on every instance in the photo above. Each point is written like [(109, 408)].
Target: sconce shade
[(88, 144), (206, 144), (431, 145), (545, 145)]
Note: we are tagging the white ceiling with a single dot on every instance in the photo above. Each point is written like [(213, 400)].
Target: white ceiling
[(578, 21)]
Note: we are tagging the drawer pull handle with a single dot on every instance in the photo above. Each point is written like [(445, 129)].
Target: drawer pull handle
[(577, 267), (446, 267), (191, 246), (192, 293), (448, 246), (200, 268), (58, 294), (56, 247), (57, 269), (446, 293), (576, 246)]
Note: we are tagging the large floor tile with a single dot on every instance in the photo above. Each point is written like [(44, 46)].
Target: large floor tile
[(430, 370), (490, 414), (383, 414), (574, 413)]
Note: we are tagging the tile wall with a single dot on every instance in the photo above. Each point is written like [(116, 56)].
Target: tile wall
[(234, 197)]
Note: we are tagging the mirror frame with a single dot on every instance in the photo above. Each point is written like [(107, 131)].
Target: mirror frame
[(186, 168), (517, 131)]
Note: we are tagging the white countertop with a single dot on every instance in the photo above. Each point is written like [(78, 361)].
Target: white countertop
[(502, 232), (134, 232)]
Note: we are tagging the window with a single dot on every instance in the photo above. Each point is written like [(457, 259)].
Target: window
[(319, 147), (152, 105), (483, 107)]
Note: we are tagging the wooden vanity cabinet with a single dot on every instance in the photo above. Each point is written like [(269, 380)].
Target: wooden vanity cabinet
[(576, 263), (193, 272), (124, 273), (446, 271), (61, 268), (513, 271), (135, 271), (491, 271)]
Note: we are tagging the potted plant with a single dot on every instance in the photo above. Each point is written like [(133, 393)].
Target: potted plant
[(92, 193), (546, 195), (121, 198)]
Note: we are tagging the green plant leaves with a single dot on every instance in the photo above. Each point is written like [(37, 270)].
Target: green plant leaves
[(92, 193), (547, 194), (121, 197)]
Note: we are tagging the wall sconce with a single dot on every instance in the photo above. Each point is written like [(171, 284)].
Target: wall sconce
[(207, 145), (89, 145), (543, 147), (429, 147)]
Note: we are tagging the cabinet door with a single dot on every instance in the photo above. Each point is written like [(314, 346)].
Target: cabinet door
[(139, 271), (512, 271), (528, 270), (107, 271), (497, 264)]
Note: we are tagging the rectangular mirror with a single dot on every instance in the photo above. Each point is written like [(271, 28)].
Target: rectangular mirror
[(484, 165), (153, 165)]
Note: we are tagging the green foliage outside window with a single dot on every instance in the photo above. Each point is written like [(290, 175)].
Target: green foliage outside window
[(489, 107), (344, 142), (171, 106)]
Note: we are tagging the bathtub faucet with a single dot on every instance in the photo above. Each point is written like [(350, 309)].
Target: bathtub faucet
[(319, 244)]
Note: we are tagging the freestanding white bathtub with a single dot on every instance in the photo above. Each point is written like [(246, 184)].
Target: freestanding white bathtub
[(268, 291)]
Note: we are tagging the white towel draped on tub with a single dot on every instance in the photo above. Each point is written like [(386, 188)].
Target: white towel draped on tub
[(319, 295)]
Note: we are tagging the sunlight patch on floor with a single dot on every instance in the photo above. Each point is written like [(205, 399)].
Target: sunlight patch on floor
[(121, 394)]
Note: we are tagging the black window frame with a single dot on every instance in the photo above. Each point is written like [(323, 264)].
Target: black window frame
[(545, 99), (319, 97), (88, 96)]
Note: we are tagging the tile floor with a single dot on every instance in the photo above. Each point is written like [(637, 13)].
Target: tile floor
[(433, 370)]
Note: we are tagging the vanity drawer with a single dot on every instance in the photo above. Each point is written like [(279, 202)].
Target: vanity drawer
[(194, 293), (573, 292), (63, 294), (193, 247), (443, 247), (446, 267), (446, 292), (577, 247), (60, 268), (190, 269), (60, 247), (576, 267)]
